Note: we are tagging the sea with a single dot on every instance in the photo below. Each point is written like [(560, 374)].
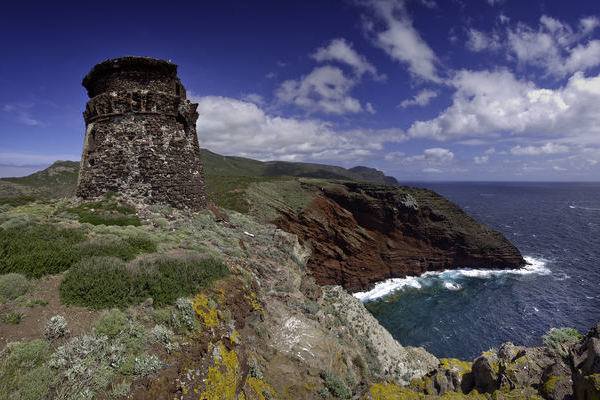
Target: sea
[(461, 313)]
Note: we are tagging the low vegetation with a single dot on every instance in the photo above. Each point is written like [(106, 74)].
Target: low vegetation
[(106, 212), (105, 282), (13, 285), (17, 200), (38, 249), (559, 339)]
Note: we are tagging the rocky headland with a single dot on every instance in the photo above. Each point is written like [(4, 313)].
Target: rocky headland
[(275, 321)]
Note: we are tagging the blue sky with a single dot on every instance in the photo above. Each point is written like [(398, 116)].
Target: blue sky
[(421, 89)]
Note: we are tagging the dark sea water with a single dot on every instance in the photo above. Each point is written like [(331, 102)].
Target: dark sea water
[(556, 226)]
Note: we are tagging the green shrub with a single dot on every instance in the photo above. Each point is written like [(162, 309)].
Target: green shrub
[(19, 364), (336, 385), (17, 200), (106, 212), (13, 285), (98, 282), (168, 277), (17, 221), (37, 250), (12, 318), (162, 316), (112, 324), (103, 282), (559, 339)]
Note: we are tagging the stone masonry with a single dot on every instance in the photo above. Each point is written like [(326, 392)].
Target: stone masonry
[(140, 138)]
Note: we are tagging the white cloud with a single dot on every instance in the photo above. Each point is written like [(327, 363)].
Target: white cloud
[(555, 46), (231, 126), (271, 75), (589, 24), (432, 157), (433, 170), (503, 19), (479, 41), (548, 148), (481, 159), (22, 113), (488, 104), (489, 151), (342, 51), (393, 32), (326, 89), (557, 168), (253, 98), (494, 2), (420, 99)]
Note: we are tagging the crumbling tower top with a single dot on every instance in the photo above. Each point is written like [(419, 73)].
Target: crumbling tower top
[(130, 73)]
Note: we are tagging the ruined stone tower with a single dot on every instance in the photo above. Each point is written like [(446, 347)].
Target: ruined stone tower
[(140, 138)]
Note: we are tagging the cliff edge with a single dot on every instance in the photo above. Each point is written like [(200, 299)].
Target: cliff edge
[(361, 233)]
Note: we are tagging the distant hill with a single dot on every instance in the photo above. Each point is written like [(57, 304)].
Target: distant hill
[(60, 179), (216, 164)]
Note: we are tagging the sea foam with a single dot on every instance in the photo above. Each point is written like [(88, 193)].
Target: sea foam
[(449, 278)]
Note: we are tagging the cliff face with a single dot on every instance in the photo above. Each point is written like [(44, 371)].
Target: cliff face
[(362, 233)]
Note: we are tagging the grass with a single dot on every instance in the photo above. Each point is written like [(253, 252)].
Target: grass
[(17, 201), (13, 285), (106, 212), (35, 250), (23, 373), (229, 192), (12, 318), (105, 282)]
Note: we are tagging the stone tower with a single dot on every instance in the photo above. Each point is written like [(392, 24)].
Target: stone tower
[(140, 137)]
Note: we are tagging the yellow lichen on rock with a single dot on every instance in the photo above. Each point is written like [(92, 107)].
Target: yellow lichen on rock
[(453, 364), (390, 391), (206, 313), (223, 378), (253, 299), (259, 388)]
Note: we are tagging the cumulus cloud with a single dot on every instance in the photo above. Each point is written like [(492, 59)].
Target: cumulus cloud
[(392, 30), (340, 50), (420, 99), (488, 104), (232, 126), (326, 89), (555, 46), (548, 148)]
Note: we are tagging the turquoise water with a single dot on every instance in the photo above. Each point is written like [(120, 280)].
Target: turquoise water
[(556, 226)]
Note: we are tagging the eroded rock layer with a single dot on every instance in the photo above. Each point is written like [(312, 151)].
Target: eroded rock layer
[(362, 233), (140, 138)]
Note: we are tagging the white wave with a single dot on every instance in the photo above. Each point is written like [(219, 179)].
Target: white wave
[(449, 278), (452, 286)]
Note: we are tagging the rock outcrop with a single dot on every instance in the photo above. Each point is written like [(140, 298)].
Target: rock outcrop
[(362, 233), (516, 372)]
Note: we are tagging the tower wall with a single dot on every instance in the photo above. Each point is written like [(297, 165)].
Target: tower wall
[(140, 138)]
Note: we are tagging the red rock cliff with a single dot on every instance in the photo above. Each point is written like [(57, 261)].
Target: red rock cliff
[(362, 233)]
